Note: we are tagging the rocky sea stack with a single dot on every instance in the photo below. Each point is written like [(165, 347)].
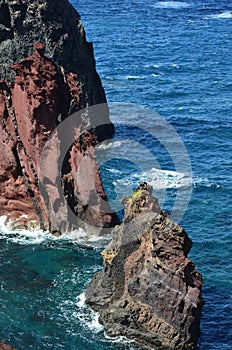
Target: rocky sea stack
[(148, 289), (40, 90)]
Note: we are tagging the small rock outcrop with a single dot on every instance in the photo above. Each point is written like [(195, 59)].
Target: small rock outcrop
[(31, 109), (56, 24), (148, 289)]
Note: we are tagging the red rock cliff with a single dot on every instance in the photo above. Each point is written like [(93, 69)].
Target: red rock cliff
[(42, 97)]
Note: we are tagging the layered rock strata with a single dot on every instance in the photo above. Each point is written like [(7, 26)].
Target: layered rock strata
[(52, 195), (56, 24), (148, 289)]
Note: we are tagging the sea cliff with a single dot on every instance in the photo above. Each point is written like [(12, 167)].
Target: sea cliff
[(38, 92)]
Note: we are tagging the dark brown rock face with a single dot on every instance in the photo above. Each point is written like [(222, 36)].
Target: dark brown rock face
[(56, 24), (30, 110), (148, 289)]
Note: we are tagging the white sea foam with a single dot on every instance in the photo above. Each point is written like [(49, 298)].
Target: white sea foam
[(171, 4), (205, 182), (89, 318), (81, 300), (109, 144), (226, 14), (158, 178), (76, 235), (120, 340), (162, 180), (166, 179), (21, 236), (132, 77), (36, 236), (82, 238)]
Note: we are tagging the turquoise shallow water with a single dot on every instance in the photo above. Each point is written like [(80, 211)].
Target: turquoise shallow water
[(173, 58)]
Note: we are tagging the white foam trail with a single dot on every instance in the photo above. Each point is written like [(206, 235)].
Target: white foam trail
[(159, 179), (226, 14), (171, 4), (128, 77), (200, 181), (166, 179)]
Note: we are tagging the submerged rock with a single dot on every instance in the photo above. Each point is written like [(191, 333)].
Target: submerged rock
[(148, 289), (61, 199)]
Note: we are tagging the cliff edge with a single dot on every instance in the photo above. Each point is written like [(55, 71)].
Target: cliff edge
[(148, 290)]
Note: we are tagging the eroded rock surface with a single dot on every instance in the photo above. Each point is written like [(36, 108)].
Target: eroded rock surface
[(56, 24), (148, 289), (53, 195)]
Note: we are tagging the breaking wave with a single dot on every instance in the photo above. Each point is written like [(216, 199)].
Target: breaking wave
[(33, 237), (159, 179)]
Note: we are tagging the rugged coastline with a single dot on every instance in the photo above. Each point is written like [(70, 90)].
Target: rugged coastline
[(148, 290)]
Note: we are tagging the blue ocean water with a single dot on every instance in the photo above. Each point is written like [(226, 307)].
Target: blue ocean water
[(169, 57)]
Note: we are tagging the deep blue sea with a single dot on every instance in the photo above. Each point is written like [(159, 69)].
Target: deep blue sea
[(173, 58)]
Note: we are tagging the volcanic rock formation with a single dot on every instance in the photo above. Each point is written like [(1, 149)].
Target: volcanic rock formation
[(46, 188), (56, 24), (148, 289)]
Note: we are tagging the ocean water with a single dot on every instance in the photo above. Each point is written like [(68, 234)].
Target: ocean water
[(167, 57)]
